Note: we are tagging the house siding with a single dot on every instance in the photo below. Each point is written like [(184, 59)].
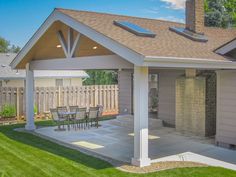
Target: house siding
[(125, 82), (166, 103), (44, 82), (226, 108)]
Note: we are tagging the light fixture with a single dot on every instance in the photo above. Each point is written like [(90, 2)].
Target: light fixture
[(95, 47), (58, 46)]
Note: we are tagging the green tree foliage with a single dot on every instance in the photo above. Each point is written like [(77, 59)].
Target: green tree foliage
[(230, 6), (216, 14), (5, 46), (101, 77)]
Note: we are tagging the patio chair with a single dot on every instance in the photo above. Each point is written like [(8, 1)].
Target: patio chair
[(73, 108), (100, 112), (93, 115), (61, 110), (61, 113), (72, 116), (57, 119), (80, 117)]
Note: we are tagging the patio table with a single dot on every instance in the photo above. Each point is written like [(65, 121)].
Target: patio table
[(67, 115)]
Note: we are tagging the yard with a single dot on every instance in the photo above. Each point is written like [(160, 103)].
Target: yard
[(23, 154)]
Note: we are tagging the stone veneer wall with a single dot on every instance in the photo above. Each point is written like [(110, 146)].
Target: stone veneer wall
[(196, 104), (210, 103), (191, 105)]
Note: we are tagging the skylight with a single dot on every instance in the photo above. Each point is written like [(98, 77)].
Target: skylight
[(135, 29)]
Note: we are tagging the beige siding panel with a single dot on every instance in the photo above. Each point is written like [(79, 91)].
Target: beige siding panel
[(166, 107), (44, 82), (13, 83), (226, 107), (76, 82), (125, 91)]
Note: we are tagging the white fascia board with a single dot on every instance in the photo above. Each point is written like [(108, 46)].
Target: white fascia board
[(43, 28), (175, 62), (226, 48), (105, 41)]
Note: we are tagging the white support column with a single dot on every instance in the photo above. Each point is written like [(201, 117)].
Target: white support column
[(29, 93), (141, 117)]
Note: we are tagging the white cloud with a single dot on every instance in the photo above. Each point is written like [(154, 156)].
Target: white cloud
[(175, 4), (172, 18), (152, 10)]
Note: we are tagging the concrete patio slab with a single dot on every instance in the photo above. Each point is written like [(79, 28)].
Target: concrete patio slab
[(115, 141)]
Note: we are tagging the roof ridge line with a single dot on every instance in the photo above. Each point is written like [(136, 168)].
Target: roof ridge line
[(120, 15)]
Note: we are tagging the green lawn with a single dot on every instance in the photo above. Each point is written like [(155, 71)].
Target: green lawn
[(23, 154)]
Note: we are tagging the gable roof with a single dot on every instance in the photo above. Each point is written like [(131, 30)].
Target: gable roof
[(7, 73), (166, 49), (165, 44), (227, 47)]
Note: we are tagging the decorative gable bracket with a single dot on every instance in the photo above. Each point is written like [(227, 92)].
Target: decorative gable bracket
[(70, 45)]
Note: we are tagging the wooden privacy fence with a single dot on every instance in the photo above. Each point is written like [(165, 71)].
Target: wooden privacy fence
[(51, 97)]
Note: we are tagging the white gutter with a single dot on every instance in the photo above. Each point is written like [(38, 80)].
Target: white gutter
[(179, 62)]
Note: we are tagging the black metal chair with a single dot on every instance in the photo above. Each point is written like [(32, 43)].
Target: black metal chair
[(62, 110), (73, 108), (80, 117), (93, 116), (57, 119)]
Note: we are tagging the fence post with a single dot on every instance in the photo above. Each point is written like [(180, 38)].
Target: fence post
[(96, 95), (59, 96), (18, 104)]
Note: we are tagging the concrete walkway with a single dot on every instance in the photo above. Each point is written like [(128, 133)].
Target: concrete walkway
[(114, 139)]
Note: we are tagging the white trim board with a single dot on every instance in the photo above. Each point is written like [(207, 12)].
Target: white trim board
[(176, 62), (93, 62)]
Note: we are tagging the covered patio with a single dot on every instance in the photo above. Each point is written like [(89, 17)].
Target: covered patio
[(65, 42), (114, 140)]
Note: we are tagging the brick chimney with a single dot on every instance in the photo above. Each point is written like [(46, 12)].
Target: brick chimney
[(195, 16)]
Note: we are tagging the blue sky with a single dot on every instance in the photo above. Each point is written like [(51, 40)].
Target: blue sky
[(21, 18)]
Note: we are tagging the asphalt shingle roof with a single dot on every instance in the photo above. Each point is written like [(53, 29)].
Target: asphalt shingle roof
[(165, 44)]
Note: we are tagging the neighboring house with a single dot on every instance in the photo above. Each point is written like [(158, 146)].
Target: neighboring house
[(43, 78), (195, 65)]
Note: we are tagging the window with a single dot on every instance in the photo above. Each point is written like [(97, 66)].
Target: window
[(135, 29), (59, 82)]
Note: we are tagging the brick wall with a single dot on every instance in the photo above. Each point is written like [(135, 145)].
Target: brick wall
[(191, 105), (196, 104), (210, 102), (195, 15)]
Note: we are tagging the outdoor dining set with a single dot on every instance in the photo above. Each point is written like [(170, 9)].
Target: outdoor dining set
[(76, 117)]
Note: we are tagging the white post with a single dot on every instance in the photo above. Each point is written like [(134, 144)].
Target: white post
[(29, 88), (141, 117)]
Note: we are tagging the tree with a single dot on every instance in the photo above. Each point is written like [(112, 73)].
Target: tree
[(101, 77), (216, 14), (5, 46), (14, 49), (230, 6)]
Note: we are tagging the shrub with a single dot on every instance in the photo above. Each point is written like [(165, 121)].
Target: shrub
[(8, 111), (35, 109)]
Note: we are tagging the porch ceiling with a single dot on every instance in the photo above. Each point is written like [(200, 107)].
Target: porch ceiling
[(46, 47)]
